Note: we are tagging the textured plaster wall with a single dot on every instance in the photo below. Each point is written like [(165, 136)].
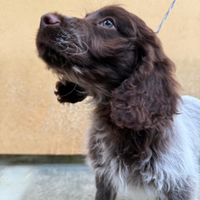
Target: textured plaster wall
[(32, 122)]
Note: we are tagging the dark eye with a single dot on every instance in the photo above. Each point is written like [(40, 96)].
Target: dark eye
[(107, 24)]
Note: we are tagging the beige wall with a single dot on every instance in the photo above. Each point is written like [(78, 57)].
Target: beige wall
[(32, 122)]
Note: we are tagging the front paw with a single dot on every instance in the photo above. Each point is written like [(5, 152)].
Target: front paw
[(69, 92)]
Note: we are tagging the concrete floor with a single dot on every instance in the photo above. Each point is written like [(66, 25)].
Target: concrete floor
[(47, 182)]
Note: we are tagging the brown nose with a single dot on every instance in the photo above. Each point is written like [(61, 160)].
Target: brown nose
[(49, 20)]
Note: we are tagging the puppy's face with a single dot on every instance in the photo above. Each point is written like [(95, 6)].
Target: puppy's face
[(97, 52)]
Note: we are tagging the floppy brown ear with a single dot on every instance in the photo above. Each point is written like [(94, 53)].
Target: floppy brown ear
[(149, 96)]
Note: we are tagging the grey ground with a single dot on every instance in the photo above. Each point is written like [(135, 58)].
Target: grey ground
[(47, 182)]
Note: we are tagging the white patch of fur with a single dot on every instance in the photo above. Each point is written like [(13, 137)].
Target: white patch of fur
[(137, 193), (77, 70), (66, 16)]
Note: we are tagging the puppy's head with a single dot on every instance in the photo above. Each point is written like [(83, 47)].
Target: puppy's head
[(97, 52), (113, 56)]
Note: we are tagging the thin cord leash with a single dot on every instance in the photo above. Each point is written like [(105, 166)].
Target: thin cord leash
[(165, 17)]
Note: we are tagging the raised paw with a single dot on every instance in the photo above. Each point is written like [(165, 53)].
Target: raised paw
[(69, 92)]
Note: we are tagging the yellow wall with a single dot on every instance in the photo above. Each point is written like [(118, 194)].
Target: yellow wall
[(32, 122)]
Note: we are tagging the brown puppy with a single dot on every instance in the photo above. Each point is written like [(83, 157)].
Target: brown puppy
[(143, 139)]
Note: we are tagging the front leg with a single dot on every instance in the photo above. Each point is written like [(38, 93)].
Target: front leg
[(105, 191)]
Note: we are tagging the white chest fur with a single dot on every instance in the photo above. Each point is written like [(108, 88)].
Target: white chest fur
[(135, 194)]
